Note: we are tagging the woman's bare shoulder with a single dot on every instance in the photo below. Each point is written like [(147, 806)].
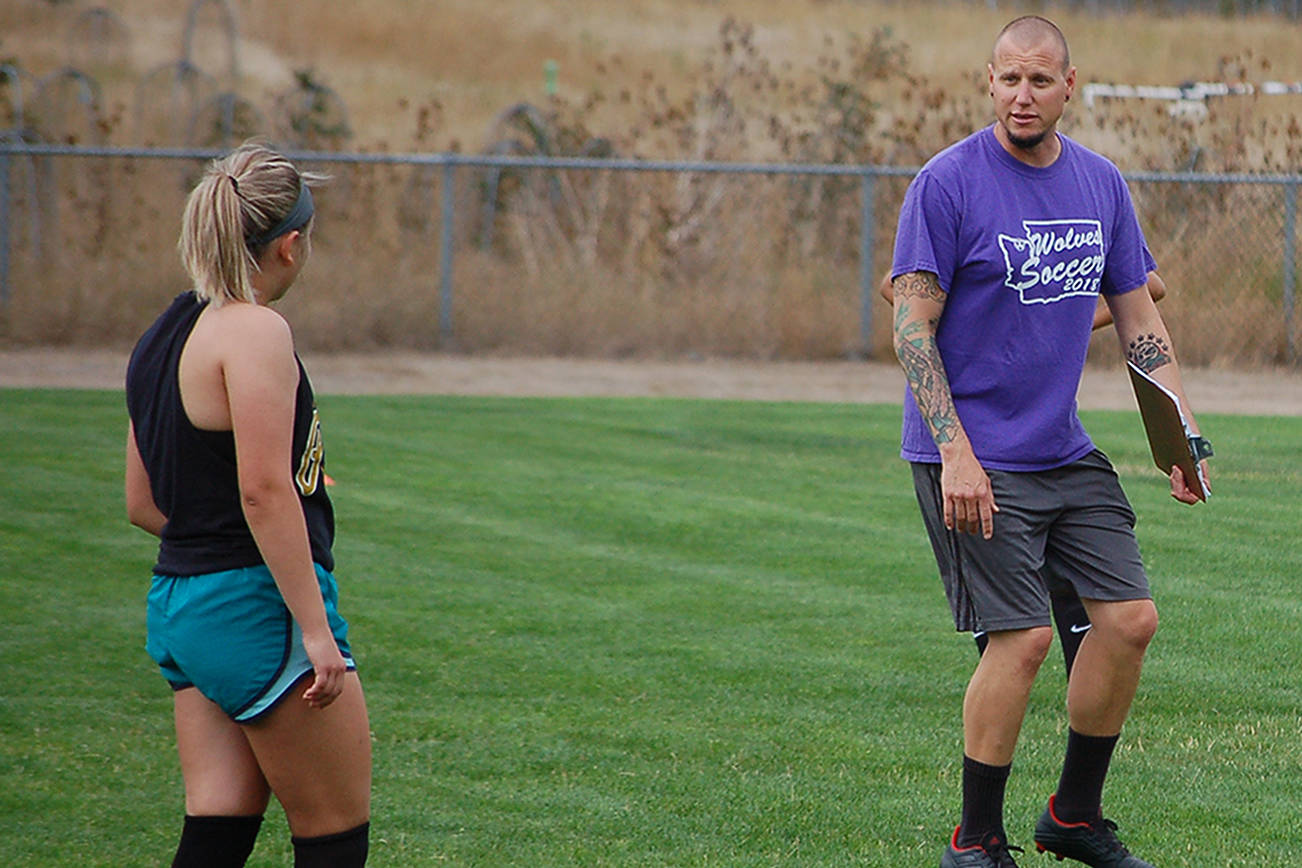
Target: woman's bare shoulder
[(239, 330)]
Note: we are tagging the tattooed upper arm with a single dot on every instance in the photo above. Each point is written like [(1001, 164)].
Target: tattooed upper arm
[(911, 288), (918, 284)]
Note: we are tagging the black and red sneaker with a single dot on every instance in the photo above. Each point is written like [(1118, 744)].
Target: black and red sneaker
[(1093, 843), (993, 852)]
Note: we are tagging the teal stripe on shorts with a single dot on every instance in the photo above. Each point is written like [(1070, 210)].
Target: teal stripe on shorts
[(230, 635)]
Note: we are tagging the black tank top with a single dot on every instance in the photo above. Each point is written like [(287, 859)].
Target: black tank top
[(192, 472)]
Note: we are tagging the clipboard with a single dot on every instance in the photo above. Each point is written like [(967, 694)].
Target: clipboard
[(1170, 438)]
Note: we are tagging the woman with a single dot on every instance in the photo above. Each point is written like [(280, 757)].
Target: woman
[(224, 463)]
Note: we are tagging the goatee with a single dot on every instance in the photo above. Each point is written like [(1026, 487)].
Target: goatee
[(1026, 143)]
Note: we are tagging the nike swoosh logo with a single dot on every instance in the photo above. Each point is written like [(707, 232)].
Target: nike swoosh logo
[(1080, 628)]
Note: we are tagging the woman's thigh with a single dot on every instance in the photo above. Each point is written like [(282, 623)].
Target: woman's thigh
[(222, 775), (317, 760)]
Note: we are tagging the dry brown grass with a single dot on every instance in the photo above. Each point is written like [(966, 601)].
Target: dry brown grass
[(638, 265), (389, 60)]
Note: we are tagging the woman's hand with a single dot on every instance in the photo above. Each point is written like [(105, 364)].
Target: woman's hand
[(329, 668)]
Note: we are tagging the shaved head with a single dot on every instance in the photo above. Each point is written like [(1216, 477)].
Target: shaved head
[(1031, 80), (1033, 30)]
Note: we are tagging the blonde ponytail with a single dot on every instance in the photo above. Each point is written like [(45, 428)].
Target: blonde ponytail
[(240, 197)]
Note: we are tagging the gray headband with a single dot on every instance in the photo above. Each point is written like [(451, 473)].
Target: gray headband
[(296, 218)]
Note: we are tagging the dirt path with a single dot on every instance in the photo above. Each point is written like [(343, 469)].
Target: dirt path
[(1270, 392)]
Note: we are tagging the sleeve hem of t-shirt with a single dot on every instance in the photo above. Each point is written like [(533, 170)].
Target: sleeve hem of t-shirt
[(1116, 292), (928, 268)]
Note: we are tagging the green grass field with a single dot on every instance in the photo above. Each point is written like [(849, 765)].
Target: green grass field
[(649, 632)]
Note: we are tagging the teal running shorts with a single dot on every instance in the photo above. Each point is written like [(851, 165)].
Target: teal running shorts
[(230, 635)]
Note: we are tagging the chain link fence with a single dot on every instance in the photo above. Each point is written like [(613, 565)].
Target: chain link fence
[(594, 257)]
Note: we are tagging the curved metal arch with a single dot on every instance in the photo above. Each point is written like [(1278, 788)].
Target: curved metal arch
[(87, 87), (311, 115), (87, 92), (188, 87), (102, 32), (14, 76), (232, 34), (524, 117)]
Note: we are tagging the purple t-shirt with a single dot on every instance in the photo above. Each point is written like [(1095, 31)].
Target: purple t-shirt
[(1022, 254)]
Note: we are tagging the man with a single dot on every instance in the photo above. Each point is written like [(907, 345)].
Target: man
[(1005, 241)]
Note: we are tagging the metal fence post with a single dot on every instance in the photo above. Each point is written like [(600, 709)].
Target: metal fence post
[(4, 231), (1290, 268), (446, 239), (867, 276)]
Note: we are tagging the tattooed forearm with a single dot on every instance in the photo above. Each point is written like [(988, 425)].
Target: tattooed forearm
[(1148, 353), (915, 345), (926, 376)]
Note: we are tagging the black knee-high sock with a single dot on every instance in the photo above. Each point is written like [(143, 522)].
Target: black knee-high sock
[(216, 842), (340, 850), (1080, 789), (983, 802)]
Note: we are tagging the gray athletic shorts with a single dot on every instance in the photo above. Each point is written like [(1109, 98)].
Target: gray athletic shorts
[(1072, 522)]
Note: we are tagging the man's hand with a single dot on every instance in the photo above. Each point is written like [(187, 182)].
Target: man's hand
[(1180, 487), (969, 500)]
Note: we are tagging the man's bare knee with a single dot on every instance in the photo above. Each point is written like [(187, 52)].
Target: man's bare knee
[(1132, 624), (1140, 627), (1024, 649)]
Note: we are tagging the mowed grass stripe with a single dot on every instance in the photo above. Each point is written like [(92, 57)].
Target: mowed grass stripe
[(648, 632)]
